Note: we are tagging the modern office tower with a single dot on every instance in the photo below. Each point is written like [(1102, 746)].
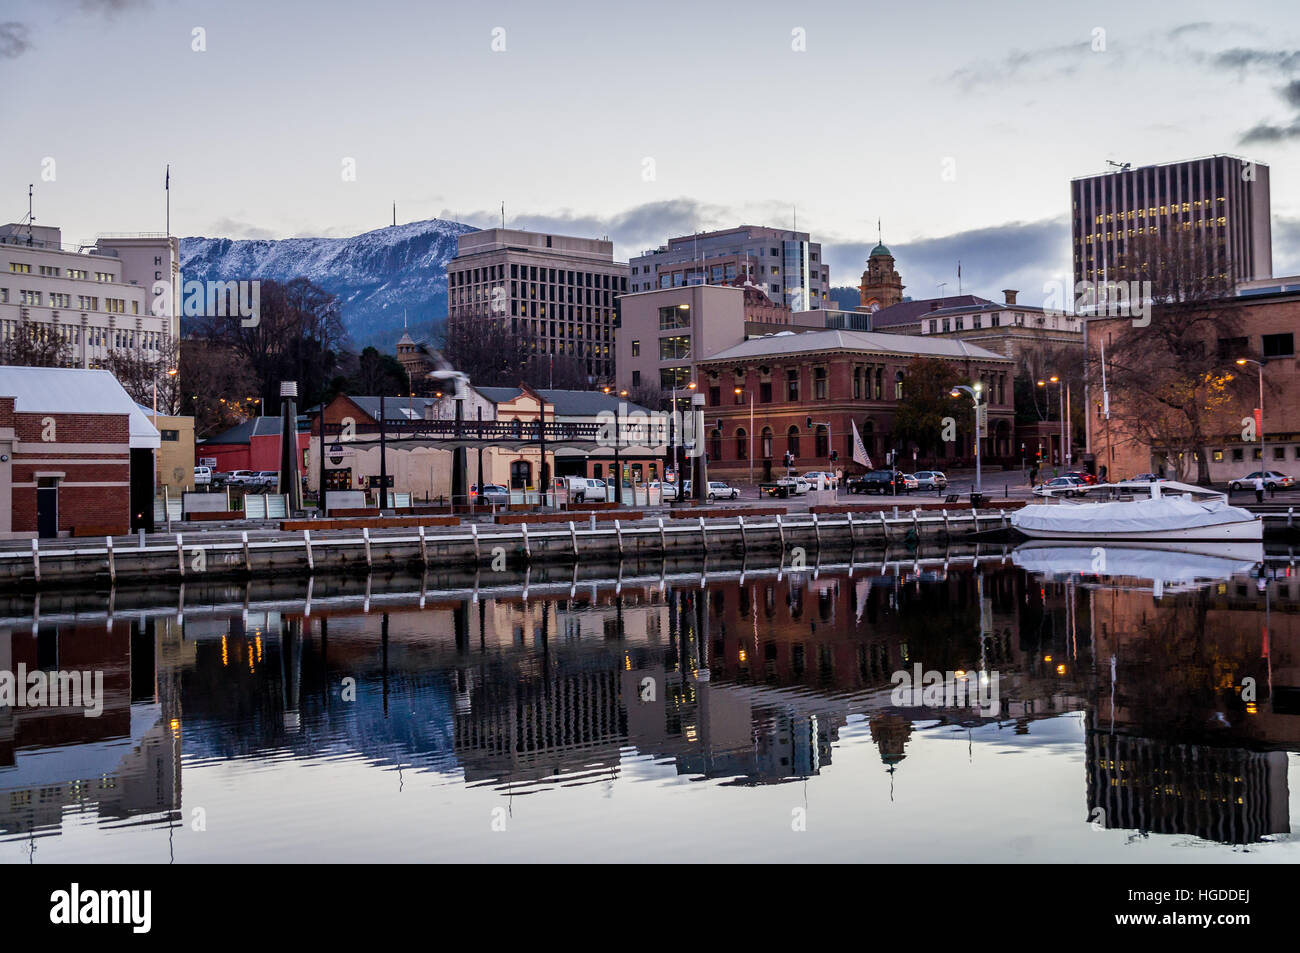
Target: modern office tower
[(98, 299), (784, 264), (1221, 200), (555, 289)]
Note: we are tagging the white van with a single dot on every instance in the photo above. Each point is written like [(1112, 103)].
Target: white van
[(585, 489), (202, 476)]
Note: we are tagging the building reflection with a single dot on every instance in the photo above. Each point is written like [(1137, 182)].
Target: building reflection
[(749, 680), (1195, 707), (122, 766)]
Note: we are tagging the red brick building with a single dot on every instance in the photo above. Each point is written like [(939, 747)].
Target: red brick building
[(252, 445), (836, 377), (76, 454)]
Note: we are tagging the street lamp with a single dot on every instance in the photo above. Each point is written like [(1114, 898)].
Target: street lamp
[(739, 392), (975, 393), (1242, 362), (1063, 394)]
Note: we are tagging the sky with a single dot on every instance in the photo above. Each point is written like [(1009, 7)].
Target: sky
[(953, 127)]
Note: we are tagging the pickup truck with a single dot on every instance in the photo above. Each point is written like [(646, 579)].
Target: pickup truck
[(786, 487)]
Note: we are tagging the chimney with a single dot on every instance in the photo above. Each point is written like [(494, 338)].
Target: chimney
[(1010, 294)]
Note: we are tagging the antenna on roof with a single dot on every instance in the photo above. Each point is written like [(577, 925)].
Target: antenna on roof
[(1119, 166), (30, 216)]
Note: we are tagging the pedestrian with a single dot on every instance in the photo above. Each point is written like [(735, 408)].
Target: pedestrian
[(1033, 474), (1259, 489)]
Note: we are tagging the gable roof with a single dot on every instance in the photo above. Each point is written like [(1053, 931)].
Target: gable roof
[(566, 403), (837, 339), (75, 390)]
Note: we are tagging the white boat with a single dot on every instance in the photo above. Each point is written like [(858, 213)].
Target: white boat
[(1163, 510)]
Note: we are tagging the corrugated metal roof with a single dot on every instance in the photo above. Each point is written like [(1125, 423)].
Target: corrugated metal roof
[(74, 390), (843, 340)]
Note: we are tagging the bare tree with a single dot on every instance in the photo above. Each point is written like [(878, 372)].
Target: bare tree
[(495, 355), (35, 344), (215, 381), (139, 371), (1168, 380)]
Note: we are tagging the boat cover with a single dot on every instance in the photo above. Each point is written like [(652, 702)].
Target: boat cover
[(1136, 516)]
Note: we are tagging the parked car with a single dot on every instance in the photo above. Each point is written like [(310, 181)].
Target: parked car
[(585, 489), (239, 477), (1062, 486), (720, 491), (1087, 479), (265, 479), (910, 482), (931, 479), (202, 476), (667, 491), (1145, 478), (1272, 479), (816, 476), (490, 493), (878, 481)]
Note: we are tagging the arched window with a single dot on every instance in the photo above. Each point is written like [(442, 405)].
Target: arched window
[(898, 385), (879, 392), (715, 445), (765, 445), (792, 440), (822, 439), (742, 444)]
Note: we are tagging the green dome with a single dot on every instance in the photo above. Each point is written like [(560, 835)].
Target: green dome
[(879, 250)]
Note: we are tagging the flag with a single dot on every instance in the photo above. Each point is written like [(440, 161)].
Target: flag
[(859, 449)]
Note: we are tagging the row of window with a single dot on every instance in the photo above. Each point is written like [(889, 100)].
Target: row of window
[(53, 271), (55, 299), (533, 273), (122, 338)]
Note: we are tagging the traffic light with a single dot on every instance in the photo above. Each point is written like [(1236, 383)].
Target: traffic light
[(835, 456)]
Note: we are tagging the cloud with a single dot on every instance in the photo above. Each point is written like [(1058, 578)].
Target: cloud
[(632, 231), (1286, 245), (1264, 133), (1241, 58), (111, 9), (229, 228), (1014, 64), (13, 39), (1020, 255)]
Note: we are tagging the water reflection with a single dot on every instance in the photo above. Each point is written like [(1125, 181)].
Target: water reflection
[(742, 677)]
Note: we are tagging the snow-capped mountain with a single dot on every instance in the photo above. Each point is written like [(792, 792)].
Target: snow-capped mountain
[(376, 275)]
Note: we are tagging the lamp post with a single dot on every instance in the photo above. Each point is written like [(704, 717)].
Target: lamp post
[(1242, 362), (739, 392), (1054, 379), (974, 396), (618, 440)]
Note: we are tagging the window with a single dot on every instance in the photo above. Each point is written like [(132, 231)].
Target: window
[(636, 348), (819, 383), (1279, 345), (1237, 455), (1279, 453), (1232, 348), (822, 439), (765, 444), (898, 385), (715, 445), (742, 445), (792, 440), (20, 268), (792, 384), (1218, 456), (675, 348), (169, 435), (636, 378), (670, 319), (765, 392)]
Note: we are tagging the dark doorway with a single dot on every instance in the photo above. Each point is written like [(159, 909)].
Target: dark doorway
[(142, 489), (521, 474), (47, 508)]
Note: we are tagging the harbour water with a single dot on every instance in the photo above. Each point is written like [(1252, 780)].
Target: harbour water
[(667, 712)]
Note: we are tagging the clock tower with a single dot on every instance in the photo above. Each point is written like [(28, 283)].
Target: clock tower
[(881, 286)]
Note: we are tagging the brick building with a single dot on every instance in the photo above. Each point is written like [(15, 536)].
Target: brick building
[(76, 454), (1268, 315), (251, 445), (835, 376)]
